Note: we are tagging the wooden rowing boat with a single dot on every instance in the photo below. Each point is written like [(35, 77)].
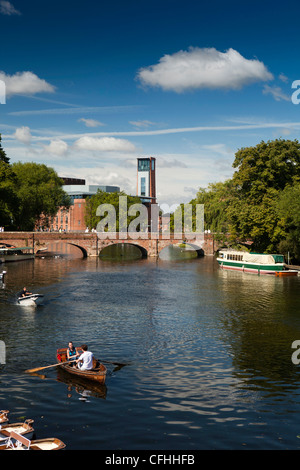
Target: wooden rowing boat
[(3, 416), (19, 442), (97, 374), (24, 429)]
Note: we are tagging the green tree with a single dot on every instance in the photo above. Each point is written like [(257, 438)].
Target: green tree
[(262, 173), (3, 157), (8, 196), (101, 198), (40, 194), (288, 208)]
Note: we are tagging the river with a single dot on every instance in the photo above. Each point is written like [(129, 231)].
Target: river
[(207, 354)]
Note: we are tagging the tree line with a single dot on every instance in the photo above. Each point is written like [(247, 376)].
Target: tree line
[(30, 194)]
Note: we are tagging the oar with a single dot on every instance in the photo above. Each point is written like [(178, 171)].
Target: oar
[(121, 364), (47, 367)]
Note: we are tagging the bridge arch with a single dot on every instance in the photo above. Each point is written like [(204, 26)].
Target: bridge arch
[(83, 250), (143, 251)]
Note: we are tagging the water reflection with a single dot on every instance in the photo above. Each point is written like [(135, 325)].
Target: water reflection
[(258, 324), (83, 388), (209, 353), (180, 252)]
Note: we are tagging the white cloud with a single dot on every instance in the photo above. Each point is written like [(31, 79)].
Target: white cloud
[(276, 92), (167, 163), (25, 83), (23, 134), (91, 122), (204, 68), (57, 147), (6, 8), (283, 78), (104, 144)]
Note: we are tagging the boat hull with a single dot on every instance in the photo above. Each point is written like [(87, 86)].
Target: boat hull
[(97, 374), (39, 444), (16, 257), (251, 267), (289, 272), (24, 429), (31, 300)]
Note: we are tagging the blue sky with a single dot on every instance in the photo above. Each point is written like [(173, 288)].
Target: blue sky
[(91, 86)]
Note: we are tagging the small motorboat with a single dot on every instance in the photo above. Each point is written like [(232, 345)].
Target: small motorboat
[(287, 272), (2, 275), (3, 416), (24, 429), (97, 374), (31, 300), (19, 442)]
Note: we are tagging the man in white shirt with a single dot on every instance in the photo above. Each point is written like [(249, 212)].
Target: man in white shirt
[(85, 361)]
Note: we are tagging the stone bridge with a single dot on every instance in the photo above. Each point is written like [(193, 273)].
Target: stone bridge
[(91, 244)]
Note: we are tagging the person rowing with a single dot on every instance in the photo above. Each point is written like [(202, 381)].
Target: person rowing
[(24, 292), (85, 360)]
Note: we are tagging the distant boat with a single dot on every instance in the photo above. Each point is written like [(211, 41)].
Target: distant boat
[(2, 276), (259, 263), (31, 300), (8, 253)]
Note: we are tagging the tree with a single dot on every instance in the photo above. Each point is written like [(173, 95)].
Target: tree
[(101, 198), (40, 194), (263, 172), (288, 208), (3, 156), (8, 196)]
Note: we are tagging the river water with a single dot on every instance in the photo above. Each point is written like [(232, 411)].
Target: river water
[(208, 354)]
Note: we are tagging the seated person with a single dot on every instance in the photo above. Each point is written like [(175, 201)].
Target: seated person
[(72, 352), (85, 360), (24, 292)]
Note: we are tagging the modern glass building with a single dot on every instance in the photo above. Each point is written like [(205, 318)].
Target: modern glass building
[(146, 184)]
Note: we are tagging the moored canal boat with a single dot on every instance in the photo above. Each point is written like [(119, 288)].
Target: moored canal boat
[(12, 253), (97, 374), (258, 263)]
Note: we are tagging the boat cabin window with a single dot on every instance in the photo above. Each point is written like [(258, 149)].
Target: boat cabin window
[(234, 257)]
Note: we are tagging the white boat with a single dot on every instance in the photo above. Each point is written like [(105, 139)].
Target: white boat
[(9, 253), (31, 300), (258, 263), (2, 276)]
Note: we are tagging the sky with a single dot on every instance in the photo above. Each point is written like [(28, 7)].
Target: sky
[(92, 86)]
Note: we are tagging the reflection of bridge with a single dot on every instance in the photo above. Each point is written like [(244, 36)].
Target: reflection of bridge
[(91, 245)]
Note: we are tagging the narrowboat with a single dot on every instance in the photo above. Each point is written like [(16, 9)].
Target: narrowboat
[(258, 263)]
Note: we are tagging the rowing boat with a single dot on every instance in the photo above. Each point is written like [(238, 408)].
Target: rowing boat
[(97, 374), (19, 442), (24, 429)]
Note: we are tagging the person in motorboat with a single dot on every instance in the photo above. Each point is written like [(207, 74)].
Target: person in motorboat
[(24, 293), (85, 360), (72, 353)]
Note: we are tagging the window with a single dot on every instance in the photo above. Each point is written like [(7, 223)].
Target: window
[(143, 186), (153, 164), (143, 165)]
